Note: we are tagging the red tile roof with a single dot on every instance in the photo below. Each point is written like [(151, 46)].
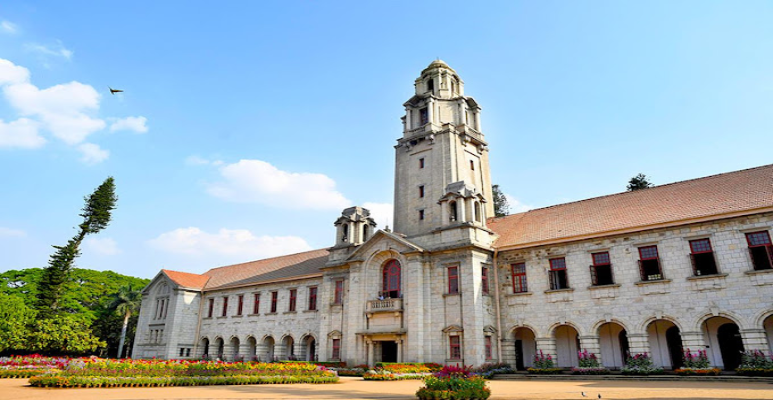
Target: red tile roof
[(730, 194), (184, 279), (269, 269)]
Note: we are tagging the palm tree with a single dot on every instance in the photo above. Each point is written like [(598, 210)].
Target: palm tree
[(125, 302)]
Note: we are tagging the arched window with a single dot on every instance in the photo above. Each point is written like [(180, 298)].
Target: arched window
[(345, 230), (452, 211), (365, 233), (477, 212), (391, 279)]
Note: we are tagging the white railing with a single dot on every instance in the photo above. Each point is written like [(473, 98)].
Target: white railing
[(385, 305)]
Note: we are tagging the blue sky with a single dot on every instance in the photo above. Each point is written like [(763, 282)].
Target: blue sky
[(246, 127)]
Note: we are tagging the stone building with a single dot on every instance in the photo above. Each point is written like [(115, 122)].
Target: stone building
[(659, 270)]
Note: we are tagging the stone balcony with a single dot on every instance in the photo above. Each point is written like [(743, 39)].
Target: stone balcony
[(385, 305)]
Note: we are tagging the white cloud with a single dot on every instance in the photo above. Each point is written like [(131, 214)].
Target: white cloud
[(383, 213), (61, 108), (92, 153), (255, 181), (22, 133), (59, 51), (8, 27), (68, 111), (239, 243), (8, 232), (11, 74), (516, 206), (136, 124), (104, 246)]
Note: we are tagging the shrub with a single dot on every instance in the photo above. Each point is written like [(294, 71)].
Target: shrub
[(543, 361), (454, 387), (490, 369), (640, 364), (698, 360), (755, 363), (697, 371)]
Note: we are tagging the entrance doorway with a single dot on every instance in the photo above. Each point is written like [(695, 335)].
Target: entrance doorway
[(519, 355), (674, 340), (730, 345), (388, 351)]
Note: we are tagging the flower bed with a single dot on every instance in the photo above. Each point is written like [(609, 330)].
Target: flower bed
[(640, 364), (61, 381), (755, 363), (454, 383), (490, 369), (368, 376), (697, 371), (589, 364), (123, 373), (409, 368), (32, 365)]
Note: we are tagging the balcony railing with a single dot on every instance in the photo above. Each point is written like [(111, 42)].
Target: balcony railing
[(385, 305)]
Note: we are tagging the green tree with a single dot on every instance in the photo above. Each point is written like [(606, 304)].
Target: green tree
[(639, 181), (125, 303), (64, 335), (501, 205), (96, 216), (15, 317)]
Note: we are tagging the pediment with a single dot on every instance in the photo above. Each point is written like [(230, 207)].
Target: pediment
[(158, 280), (396, 242)]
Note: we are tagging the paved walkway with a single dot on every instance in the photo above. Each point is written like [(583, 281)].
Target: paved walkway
[(356, 388)]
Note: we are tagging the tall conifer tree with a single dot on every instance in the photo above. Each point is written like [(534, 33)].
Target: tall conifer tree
[(96, 216)]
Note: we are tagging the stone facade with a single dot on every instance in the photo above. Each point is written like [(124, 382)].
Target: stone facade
[(441, 288)]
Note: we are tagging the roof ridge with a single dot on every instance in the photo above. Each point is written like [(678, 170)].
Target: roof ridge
[(631, 192), (265, 259), (181, 272)]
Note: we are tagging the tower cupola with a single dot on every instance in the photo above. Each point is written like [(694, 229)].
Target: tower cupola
[(354, 227)]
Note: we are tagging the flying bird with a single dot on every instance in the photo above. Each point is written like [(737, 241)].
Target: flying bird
[(583, 394), (114, 91), (599, 395)]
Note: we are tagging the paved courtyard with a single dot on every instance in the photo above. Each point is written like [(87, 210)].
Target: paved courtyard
[(356, 388)]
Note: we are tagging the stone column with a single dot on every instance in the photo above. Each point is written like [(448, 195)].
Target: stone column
[(431, 111), (244, 351), (477, 119), (638, 343), (369, 345), (693, 341), (508, 351), (399, 350), (444, 214), (460, 208), (755, 339), (408, 121), (548, 347), (592, 344)]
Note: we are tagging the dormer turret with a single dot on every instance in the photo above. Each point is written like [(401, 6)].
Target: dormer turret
[(354, 227)]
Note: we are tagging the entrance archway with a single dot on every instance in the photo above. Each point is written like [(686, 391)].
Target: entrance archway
[(567, 345), (204, 346), (289, 348), (767, 324), (268, 345), (309, 348), (525, 348), (665, 343), (252, 349), (220, 348), (614, 344), (724, 342), (234, 344)]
